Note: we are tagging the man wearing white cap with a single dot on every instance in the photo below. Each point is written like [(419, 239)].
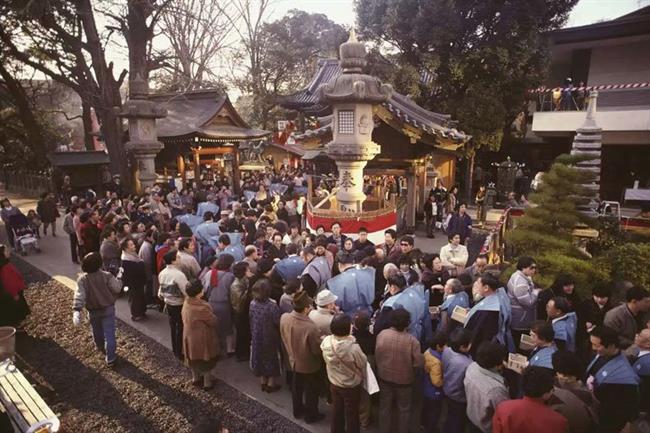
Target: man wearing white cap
[(325, 310)]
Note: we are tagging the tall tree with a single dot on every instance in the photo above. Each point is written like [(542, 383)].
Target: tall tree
[(482, 56), (62, 40), (281, 55), (34, 133), (198, 32)]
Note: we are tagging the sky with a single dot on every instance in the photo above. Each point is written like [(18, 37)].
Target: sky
[(342, 12), (585, 12)]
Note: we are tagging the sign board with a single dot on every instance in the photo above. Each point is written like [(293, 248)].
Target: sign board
[(459, 314), (517, 362)]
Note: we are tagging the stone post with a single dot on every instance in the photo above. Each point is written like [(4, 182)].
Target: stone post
[(352, 96), (143, 141)]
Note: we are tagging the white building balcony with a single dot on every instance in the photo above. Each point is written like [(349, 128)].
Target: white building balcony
[(623, 115)]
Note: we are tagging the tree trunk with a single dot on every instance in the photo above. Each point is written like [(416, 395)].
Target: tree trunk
[(114, 140), (138, 36), (469, 174), (86, 116), (33, 129)]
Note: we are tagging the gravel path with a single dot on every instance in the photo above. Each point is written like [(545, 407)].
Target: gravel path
[(148, 392)]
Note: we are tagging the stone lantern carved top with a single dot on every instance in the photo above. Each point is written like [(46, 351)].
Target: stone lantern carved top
[(352, 54), (353, 85), (138, 106), (138, 88)]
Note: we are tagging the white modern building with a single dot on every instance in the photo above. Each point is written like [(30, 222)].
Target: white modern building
[(612, 57)]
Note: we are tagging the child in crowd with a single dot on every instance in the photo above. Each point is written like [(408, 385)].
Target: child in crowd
[(455, 360), (433, 380), (34, 222)]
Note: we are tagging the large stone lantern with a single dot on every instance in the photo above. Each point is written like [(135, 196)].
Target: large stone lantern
[(352, 96), (143, 141)]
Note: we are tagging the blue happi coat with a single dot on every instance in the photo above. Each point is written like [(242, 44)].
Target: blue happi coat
[(290, 267), (193, 221), (207, 206), (235, 249), (617, 371), (642, 365), (415, 300), (452, 301), (204, 232), (543, 357), (565, 330), (355, 289), (501, 303), (319, 270)]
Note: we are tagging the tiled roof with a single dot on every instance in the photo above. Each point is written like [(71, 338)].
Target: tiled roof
[(190, 113), (403, 107), (306, 100)]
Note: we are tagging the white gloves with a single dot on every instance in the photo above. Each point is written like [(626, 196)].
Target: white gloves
[(119, 273), (76, 318)]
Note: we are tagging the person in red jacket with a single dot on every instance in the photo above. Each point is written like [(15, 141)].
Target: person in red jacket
[(530, 414), (13, 306)]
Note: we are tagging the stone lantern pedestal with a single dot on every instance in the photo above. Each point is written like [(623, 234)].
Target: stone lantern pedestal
[(352, 96), (143, 142)]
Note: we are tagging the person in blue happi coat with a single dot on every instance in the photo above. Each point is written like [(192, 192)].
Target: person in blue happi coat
[(543, 336), (564, 321), (489, 319), (207, 206), (413, 299), (204, 232), (354, 287), (192, 221), (317, 272), (230, 243), (642, 367), (291, 266), (613, 380), (454, 296)]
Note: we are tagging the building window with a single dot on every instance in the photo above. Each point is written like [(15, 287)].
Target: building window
[(346, 122)]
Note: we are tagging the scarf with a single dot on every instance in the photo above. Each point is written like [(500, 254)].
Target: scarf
[(130, 257), (214, 278)]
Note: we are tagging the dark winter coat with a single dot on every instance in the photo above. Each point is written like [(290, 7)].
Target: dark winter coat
[(47, 210)]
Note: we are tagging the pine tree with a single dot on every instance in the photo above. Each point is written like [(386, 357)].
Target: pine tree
[(544, 232)]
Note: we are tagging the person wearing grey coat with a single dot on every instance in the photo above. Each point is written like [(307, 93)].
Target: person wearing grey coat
[(216, 284), (523, 296)]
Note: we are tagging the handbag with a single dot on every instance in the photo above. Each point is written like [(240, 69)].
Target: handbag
[(370, 383)]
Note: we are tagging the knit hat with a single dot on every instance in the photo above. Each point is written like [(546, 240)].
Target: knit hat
[(301, 300), (325, 297)]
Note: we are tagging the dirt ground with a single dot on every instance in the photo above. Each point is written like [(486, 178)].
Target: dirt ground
[(148, 392)]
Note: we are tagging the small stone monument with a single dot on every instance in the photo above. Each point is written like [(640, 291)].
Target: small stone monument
[(143, 141), (588, 142), (352, 96)]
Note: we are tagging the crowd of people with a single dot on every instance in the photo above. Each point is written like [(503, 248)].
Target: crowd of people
[(415, 341)]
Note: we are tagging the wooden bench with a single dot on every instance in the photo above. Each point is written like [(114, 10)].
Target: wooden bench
[(27, 410)]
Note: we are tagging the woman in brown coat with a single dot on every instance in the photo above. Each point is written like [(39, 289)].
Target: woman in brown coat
[(200, 342)]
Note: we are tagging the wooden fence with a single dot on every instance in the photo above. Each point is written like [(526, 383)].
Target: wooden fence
[(26, 183)]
